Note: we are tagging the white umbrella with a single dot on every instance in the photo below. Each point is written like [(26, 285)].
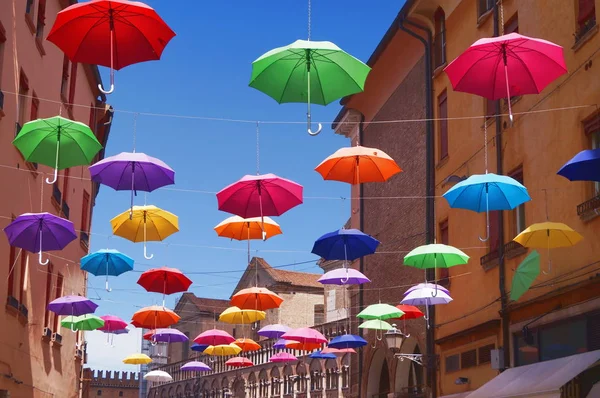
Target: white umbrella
[(158, 375), (426, 296)]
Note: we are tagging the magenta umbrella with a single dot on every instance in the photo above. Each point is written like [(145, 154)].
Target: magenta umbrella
[(505, 66), (112, 325), (283, 357), (304, 336), (259, 196), (214, 337)]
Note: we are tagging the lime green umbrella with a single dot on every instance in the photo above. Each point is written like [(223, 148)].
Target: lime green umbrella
[(380, 311), (525, 274), (375, 324), (83, 322), (435, 256), (284, 74), (57, 142)]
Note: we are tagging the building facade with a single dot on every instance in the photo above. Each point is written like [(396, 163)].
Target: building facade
[(110, 384), (37, 81)]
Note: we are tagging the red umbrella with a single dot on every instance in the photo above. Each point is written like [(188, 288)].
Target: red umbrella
[(410, 312), (239, 362), (112, 33), (164, 280), (505, 66), (148, 335)]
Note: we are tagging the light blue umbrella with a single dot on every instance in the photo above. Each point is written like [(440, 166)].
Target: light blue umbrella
[(487, 192), (107, 262)]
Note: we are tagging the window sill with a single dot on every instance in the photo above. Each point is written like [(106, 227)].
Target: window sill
[(483, 18), (585, 38), (29, 23), (512, 249), (438, 70), (442, 162), (40, 46)]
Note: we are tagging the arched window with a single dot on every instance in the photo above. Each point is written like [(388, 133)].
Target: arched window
[(120, 393), (439, 45), (99, 393)]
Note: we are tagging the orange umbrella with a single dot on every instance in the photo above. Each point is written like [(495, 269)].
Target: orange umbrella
[(295, 345), (247, 344), (239, 228), (154, 317), (358, 164), (256, 298)]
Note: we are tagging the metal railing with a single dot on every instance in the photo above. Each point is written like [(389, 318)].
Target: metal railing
[(588, 205)]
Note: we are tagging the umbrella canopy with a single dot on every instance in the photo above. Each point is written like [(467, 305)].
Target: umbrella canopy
[(380, 311), (295, 345), (37, 232), (196, 366), (357, 165), (283, 357), (256, 298), (118, 331), (236, 315), (57, 142), (338, 351), (198, 347), (137, 359), (239, 228), (239, 362), (169, 335), (375, 324), (155, 317), (548, 235), (426, 296), (247, 344), (582, 167), (164, 280), (82, 322), (72, 305), (434, 286), (435, 256), (148, 335), (106, 262), (347, 341), (112, 323), (410, 312), (305, 335), (280, 344), (223, 350), (343, 276), (321, 355), (525, 274), (345, 244), (273, 331), (158, 376), (214, 337)]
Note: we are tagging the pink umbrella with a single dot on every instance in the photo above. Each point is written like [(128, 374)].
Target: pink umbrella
[(239, 362), (259, 196), (505, 66), (305, 336), (111, 325), (338, 351), (283, 357), (214, 337)]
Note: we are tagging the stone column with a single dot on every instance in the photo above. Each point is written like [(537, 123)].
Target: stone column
[(339, 373)]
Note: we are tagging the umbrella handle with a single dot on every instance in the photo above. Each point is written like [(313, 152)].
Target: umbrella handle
[(487, 216), (346, 279), (54, 179), (106, 286), (56, 161), (40, 259), (308, 119), (112, 70), (145, 249)]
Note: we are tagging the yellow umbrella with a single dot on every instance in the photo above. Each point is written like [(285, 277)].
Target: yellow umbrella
[(239, 228), (137, 359), (222, 350), (237, 316), (144, 224), (548, 235)]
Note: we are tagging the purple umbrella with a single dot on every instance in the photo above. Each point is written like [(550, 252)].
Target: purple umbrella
[(429, 286), (273, 331), (196, 366), (426, 296), (343, 276), (283, 357), (280, 344), (37, 232), (72, 305), (169, 336), (132, 171), (118, 331)]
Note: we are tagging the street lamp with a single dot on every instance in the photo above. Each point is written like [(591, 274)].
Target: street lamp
[(394, 338)]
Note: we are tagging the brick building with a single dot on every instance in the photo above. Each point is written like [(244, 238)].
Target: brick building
[(109, 384)]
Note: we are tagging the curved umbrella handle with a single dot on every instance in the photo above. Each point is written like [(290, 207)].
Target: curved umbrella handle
[(40, 259), (54, 179), (102, 90), (112, 54), (145, 249), (313, 133), (56, 161), (106, 286), (308, 120), (346, 279)]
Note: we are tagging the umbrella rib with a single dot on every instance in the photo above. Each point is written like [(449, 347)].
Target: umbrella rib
[(314, 64), (343, 70), (298, 65), (99, 22)]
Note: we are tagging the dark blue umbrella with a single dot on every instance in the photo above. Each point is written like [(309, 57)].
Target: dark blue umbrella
[(107, 262), (320, 355), (585, 166), (347, 341), (345, 244), (198, 347)]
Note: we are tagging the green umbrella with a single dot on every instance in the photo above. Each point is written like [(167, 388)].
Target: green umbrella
[(83, 322), (380, 311), (284, 74), (375, 324), (57, 142), (435, 256), (525, 274)]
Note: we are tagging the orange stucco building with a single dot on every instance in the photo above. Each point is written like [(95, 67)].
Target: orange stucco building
[(37, 357)]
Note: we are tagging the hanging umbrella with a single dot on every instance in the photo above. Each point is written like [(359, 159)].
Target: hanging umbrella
[(273, 331), (487, 192), (112, 323), (164, 280), (239, 362), (155, 317), (118, 331), (426, 296), (345, 244), (223, 350), (111, 33), (214, 337), (158, 376), (38, 232), (260, 196), (198, 347), (280, 344), (525, 274), (144, 224), (507, 66), (82, 322), (137, 359), (357, 165), (582, 167), (284, 74), (195, 366), (410, 312), (305, 335), (283, 357), (133, 172), (429, 286), (380, 311), (347, 341), (548, 235), (247, 344), (148, 335), (57, 142), (375, 324), (239, 228), (72, 305), (343, 276), (338, 351), (435, 256), (256, 298), (295, 345), (321, 355), (235, 315), (169, 335), (106, 262)]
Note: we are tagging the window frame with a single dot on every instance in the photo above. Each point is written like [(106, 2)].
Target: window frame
[(439, 37), (444, 273), (518, 221), (443, 134), (40, 20), (512, 25), (487, 7), (64, 79), (49, 274), (591, 128), (58, 292), (23, 97)]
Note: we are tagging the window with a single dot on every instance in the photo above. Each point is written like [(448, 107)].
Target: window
[(512, 26), (72, 83), (439, 45), (518, 214), (10, 284), (485, 354), (29, 8), (35, 107), (484, 6), (92, 123), (85, 212), (65, 190), (23, 99), (120, 393), (58, 293), (2, 47), (444, 273), (99, 393), (468, 359), (586, 15), (443, 124), (41, 20), (23, 273), (592, 130), (494, 238), (50, 269), (452, 363), (319, 315), (64, 82)]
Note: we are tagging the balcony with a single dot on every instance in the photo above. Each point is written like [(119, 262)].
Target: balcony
[(589, 209), (511, 249), (585, 30)]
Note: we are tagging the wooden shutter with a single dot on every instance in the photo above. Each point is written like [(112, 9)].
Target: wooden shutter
[(22, 278), (592, 126), (494, 237), (35, 107), (72, 83), (50, 269), (85, 211)]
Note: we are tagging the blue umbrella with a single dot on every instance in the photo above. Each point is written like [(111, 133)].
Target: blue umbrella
[(106, 262), (320, 355), (198, 347), (345, 244), (347, 341), (585, 166), (487, 192)]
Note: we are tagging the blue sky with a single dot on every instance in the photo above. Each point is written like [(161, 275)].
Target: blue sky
[(204, 71)]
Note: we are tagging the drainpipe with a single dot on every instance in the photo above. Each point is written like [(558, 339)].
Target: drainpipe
[(429, 189), (501, 264), (361, 266)]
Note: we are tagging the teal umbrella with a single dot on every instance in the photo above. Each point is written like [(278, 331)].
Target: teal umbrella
[(317, 72), (57, 142), (525, 274)]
